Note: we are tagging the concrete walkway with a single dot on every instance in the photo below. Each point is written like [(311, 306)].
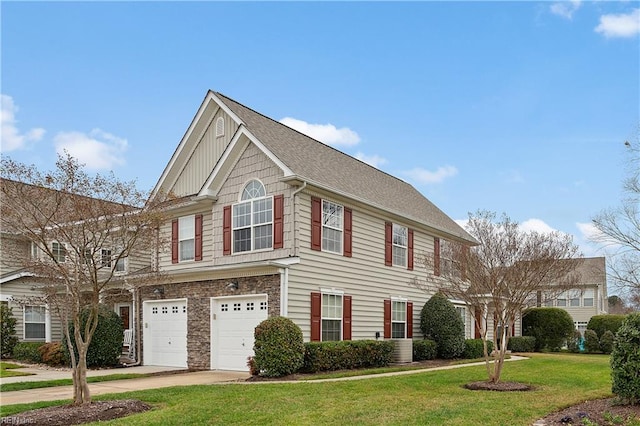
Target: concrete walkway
[(166, 377)]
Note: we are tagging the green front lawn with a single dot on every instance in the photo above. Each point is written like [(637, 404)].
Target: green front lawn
[(432, 398), (7, 369)]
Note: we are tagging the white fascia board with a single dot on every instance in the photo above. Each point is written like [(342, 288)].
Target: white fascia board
[(210, 97), (16, 276)]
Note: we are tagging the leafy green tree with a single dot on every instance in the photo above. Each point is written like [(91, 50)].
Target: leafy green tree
[(8, 326)]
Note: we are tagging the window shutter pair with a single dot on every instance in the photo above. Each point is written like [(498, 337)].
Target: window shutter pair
[(388, 246), (316, 316), (278, 225), (387, 319), (316, 228), (197, 239)]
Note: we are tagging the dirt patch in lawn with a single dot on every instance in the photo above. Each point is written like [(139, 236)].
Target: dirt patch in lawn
[(77, 414), (597, 411)]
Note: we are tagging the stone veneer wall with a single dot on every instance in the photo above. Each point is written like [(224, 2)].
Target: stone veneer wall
[(198, 295)]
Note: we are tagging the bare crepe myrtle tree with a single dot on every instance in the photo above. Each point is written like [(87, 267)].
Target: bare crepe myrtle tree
[(619, 228), (80, 228), (501, 276)]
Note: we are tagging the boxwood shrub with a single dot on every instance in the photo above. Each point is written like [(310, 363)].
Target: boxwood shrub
[(591, 342), (440, 321), (602, 323), (606, 342), (424, 350), (53, 354), (278, 347), (28, 352), (573, 342), (522, 344), (347, 354), (550, 326), (625, 360), (474, 348)]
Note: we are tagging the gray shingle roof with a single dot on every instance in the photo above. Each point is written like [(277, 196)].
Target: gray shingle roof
[(310, 159)]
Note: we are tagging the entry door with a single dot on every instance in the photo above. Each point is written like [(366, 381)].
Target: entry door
[(124, 312)]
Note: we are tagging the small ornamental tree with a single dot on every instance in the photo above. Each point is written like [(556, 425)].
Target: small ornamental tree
[(625, 360), (278, 347), (9, 338), (440, 322)]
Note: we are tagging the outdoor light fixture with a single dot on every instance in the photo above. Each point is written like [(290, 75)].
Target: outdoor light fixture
[(158, 291), (233, 285)]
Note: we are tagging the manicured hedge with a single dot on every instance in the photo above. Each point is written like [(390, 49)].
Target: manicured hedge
[(424, 350), (625, 360), (278, 347), (474, 348), (522, 344), (602, 323), (346, 355), (28, 352), (550, 326)]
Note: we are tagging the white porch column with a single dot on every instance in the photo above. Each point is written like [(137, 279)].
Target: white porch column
[(47, 324)]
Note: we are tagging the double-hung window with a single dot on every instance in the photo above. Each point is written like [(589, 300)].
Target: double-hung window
[(331, 317), (587, 298), (106, 257), (34, 322), (574, 301), (400, 239), (561, 301), (398, 319), (121, 265), (59, 252), (332, 222), (186, 238), (253, 219)]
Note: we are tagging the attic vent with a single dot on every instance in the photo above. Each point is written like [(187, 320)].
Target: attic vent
[(219, 127)]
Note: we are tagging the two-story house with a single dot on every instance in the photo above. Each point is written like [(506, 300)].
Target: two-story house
[(268, 221)]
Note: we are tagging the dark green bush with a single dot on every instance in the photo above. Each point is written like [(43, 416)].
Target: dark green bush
[(439, 321), (106, 344), (602, 323), (28, 352), (424, 350), (591, 341), (606, 342), (278, 347), (550, 326), (346, 355), (625, 360), (522, 344), (474, 348), (8, 331), (53, 354), (573, 342)]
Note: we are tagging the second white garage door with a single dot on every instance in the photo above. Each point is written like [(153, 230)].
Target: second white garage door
[(233, 320)]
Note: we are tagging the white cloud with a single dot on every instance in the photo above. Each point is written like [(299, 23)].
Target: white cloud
[(12, 139), (372, 160), (426, 176), (327, 133), (566, 9), (536, 225), (99, 150), (622, 25)]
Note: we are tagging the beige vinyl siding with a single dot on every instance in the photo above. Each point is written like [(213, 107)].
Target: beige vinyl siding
[(20, 290), (15, 251), (204, 156), (364, 276), (164, 254)]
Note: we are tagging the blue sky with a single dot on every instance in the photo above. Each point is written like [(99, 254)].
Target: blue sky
[(515, 107)]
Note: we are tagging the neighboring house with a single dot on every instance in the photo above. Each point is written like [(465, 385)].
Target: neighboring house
[(588, 298), (267, 221)]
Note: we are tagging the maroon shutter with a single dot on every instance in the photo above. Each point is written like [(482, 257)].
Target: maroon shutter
[(387, 319), (436, 256), (226, 230), (346, 318), (388, 243), (316, 316), (316, 223), (410, 250), (198, 237), (409, 320), (174, 241), (347, 232), (278, 221)]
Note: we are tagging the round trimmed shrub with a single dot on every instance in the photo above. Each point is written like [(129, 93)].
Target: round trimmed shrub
[(602, 323), (105, 348), (424, 350), (591, 342), (8, 333), (52, 354), (278, 347), (439, 321), (550, 326), (28, 352), (474, 348), (521, 344), (573, 342), (625, 360), (606, 342)]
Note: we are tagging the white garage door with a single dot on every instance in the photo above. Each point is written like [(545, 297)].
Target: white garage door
[(233, 320), (165, 333)]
